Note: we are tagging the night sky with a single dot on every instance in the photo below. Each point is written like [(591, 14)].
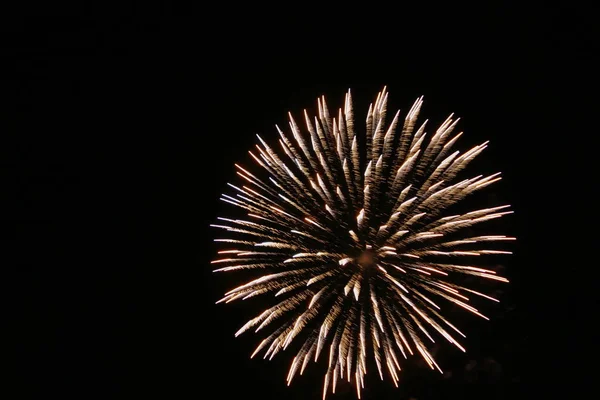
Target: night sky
[(120, 127)]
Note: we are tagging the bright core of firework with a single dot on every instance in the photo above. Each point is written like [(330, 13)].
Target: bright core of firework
[(346, 231)]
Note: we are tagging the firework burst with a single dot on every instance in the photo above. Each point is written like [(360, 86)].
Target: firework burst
[(347, 231)]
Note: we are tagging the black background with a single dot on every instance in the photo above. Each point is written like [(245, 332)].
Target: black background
[(120, 126)]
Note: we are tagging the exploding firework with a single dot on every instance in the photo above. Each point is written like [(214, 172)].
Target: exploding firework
[(347, 231)]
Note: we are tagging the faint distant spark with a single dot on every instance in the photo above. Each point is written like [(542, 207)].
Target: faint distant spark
[(347, 229)]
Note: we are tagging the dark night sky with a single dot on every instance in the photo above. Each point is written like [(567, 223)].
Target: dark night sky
[(120, 127)]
